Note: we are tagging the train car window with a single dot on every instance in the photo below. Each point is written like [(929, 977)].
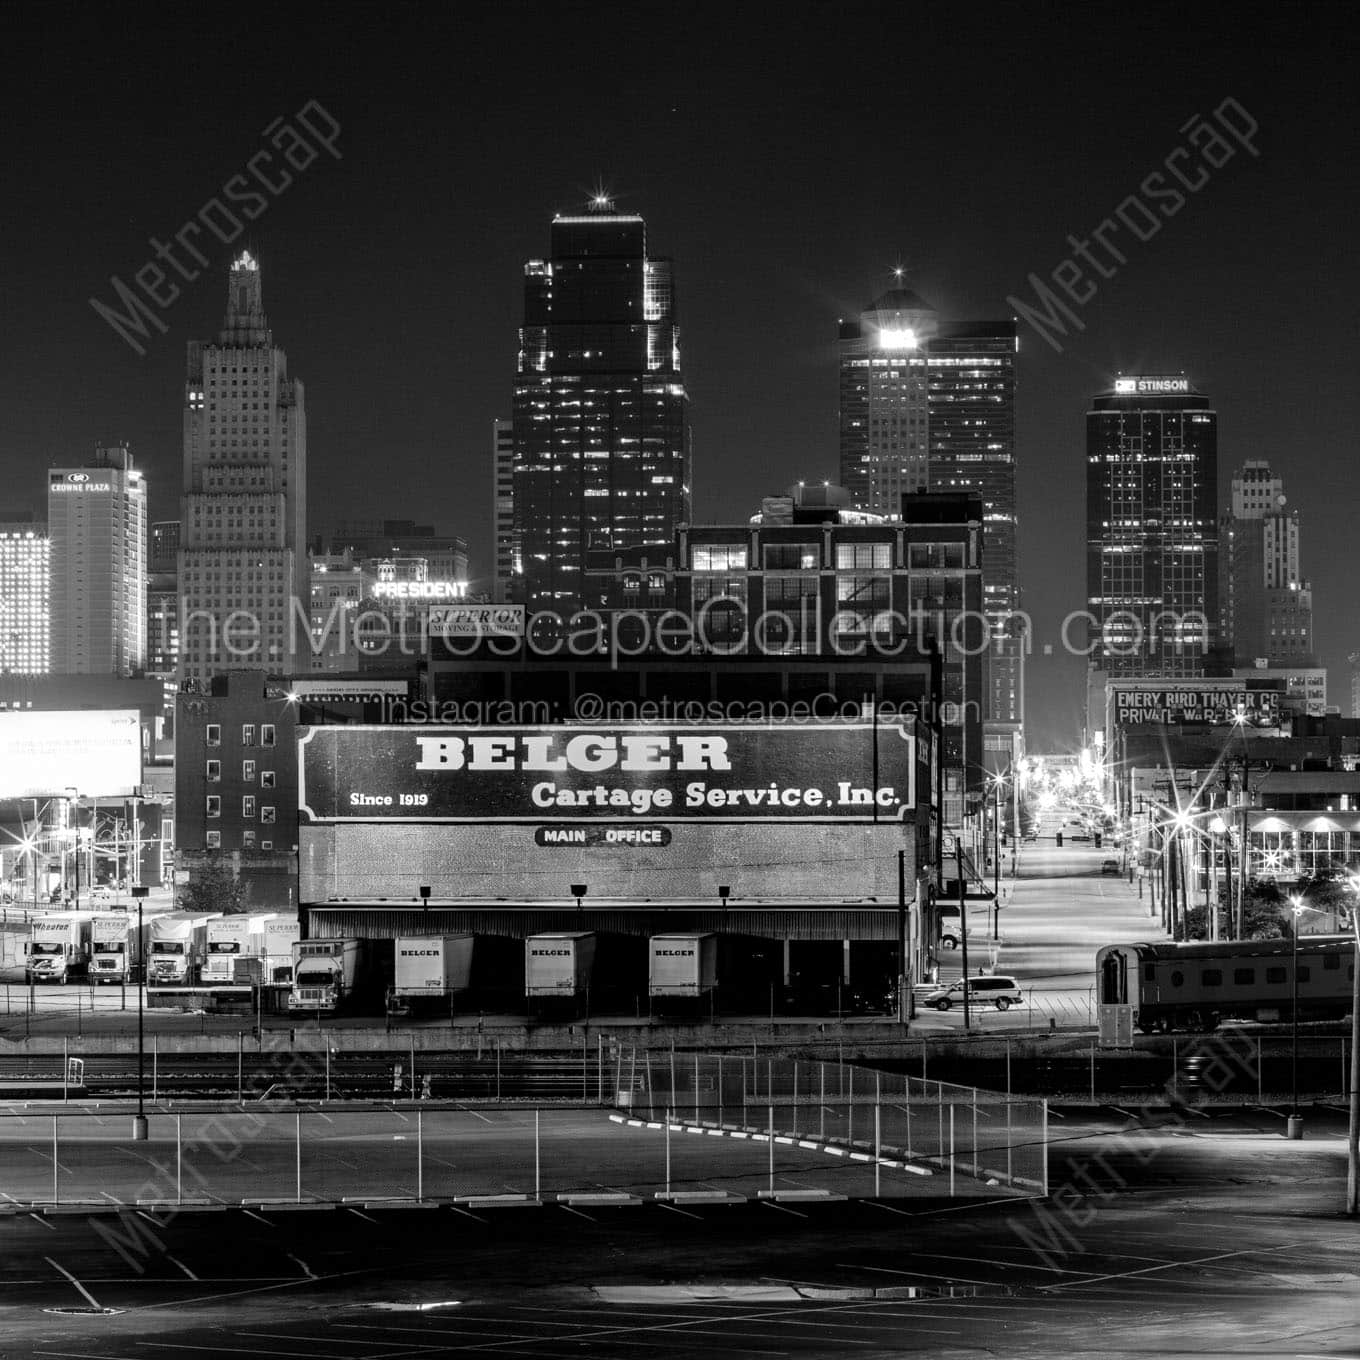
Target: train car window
[(1149, 972), (1210, 977), (1304, 972), (1177, 978), (1331, 962), (1275, 974), (1244, 977)]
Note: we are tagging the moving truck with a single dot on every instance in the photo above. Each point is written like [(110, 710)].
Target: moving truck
[(430, 970), (179, 940), (281, 933), (58, 948), (327, 974), (558, 965), (683, 965), (235, 948), (112, 940)]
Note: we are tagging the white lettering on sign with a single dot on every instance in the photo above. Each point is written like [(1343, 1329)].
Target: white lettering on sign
[(80, 486), (589, 753), (419, 590), (1151, 386)]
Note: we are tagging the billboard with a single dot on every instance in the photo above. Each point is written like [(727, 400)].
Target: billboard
[(825, 772), (1195, 704), (45, 754)]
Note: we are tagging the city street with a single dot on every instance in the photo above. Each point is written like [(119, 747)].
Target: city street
[(1054, 917)]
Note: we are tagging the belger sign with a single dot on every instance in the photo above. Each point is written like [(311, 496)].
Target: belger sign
[(827, 772)]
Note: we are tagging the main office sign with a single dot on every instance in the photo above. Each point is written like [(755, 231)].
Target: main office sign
[(828, 772)]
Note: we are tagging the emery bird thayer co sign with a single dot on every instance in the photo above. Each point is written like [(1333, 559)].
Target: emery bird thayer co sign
[(850, 772)]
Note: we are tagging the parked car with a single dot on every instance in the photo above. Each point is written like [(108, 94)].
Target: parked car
[(1110, 866), (1001, 992)]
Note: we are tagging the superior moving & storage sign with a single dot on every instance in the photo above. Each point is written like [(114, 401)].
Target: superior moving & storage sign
[(853, 772)]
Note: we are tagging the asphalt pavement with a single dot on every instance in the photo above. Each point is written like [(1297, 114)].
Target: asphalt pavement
[(1184, 1235)]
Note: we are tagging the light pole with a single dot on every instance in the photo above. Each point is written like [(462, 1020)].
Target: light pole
[(1353, 1129), (139, 1129), (1294, 1128)]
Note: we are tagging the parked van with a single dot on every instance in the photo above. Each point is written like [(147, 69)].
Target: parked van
[(1001, 992)]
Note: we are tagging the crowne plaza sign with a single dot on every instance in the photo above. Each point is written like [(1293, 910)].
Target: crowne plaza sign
[(857, 772)]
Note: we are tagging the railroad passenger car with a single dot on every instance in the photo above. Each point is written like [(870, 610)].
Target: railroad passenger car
[(1194, 986)]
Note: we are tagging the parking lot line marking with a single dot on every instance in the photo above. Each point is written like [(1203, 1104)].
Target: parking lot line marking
[(40, 1219), (259, 1218), (182, 1266), (674, 1210), (85, 1293)]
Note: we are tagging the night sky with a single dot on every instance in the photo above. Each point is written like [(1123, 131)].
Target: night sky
[(786, 158)]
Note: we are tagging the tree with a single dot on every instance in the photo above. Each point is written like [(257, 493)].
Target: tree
[(212, 887), (1264, 917)]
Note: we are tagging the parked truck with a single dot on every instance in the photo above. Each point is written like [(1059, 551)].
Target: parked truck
[(179, 941), (58, 948), (430, 971), (235, 950), (328, 975), (281, 933), (683, 965), (558, 965), (112, 945)]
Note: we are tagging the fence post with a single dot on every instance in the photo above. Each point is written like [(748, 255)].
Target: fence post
[(1008, 1065), (240, 1040), (795, 1097), (939, 1133), (1259, 1077), (298, 1145), (878, 1132), (328, 1070), (1093, 1072), (769, 1082), (54, 1159), (720, 1089), (1044, 1147), (675, 1098), (179, 1161), (951, 1150), (414, 1087), (906, 1100), (696, 1086), (155, 1067), (1010, 1175), (420, 1156), (668, 1151), (821, 1102), (977, 1171), (538, 1165), (498, 1066), (599, 1067), (771, 1149), (850, 1110)]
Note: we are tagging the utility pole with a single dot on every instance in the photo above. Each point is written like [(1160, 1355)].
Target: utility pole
[(963, 931)]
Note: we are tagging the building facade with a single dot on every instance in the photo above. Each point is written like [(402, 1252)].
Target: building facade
[(1266, 604), (1152, 528), (97, 522), (601, 435), (503, 509), (25, 595), (927, 404), (242, 561), (236, 789)]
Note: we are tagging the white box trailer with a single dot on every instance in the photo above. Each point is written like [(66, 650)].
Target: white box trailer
[(281, 932), (179, 940), (683, 965), (431, 967), (58, 947), (235, 949), (113, 940), (558, 964), (328, 974)]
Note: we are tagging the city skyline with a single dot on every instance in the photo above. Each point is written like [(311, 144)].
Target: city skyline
[(779, 223)]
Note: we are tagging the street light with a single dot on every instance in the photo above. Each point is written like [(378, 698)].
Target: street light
[(1353, 1130), (1294, 1129)]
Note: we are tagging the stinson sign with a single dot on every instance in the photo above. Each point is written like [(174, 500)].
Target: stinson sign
[(828, 772)]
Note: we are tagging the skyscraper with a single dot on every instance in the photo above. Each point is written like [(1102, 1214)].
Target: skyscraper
[(96, 519), (1266, 605), (243, 581), (503, 508), (601, 437), (929, 405), (25, 603), (1152, 528)]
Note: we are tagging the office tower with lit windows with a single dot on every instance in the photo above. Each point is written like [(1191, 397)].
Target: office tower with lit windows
[(1152, 528), (927, 404), (1266, 605), (97, 523), (503, 509), (25, 599), (601, 436), (243, 581)]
